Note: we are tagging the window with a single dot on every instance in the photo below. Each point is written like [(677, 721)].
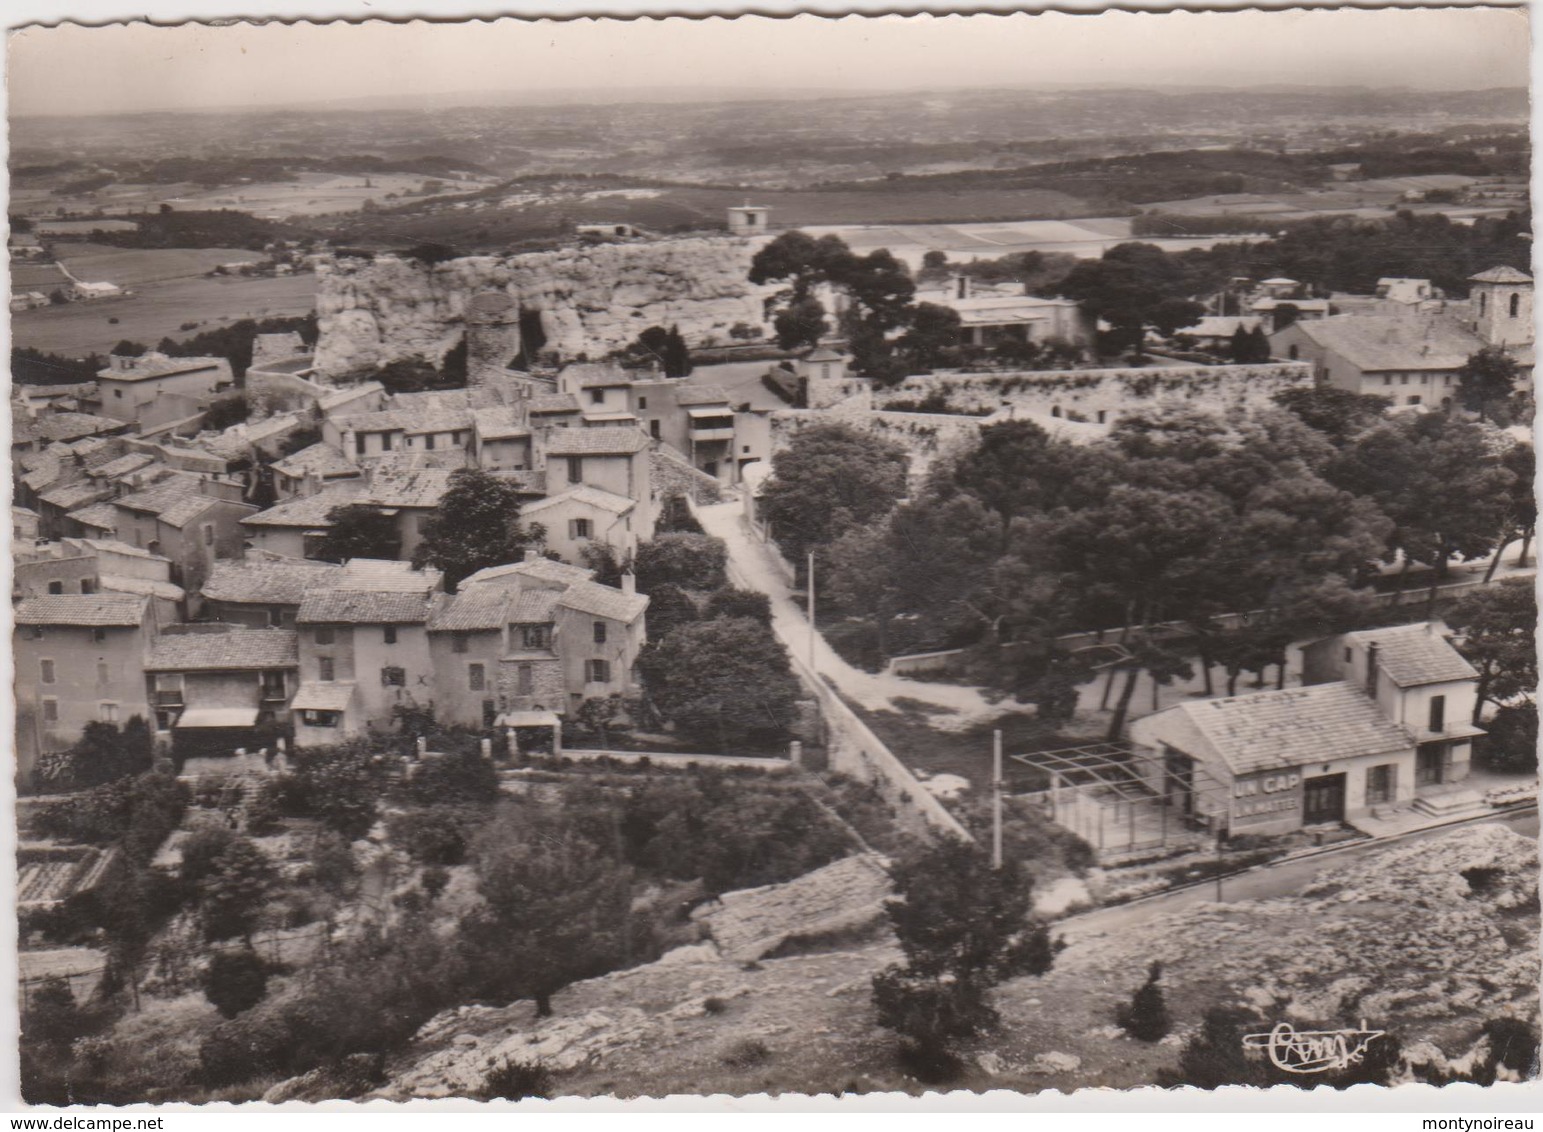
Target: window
[(1414, 399), (1515, 303), (98, 635), (1349, 655), (1379, 783), (46, 671), (273, 686), (389, 634), (1387, 379), (597, 396), (50, 710), (103, 672), (653, 429), (1293, 352), (87, 586), (476, 677), (359, 443), (385, 442), (320, 718), (1438, 713), (118, 393), (208, 534), (642, 402), (1403, 379), (1482, 303), (575, 469), (458, 642), (580, 528), (168, 689), (535, 636), (325, 635), (599, 671), (56, 587), (107, 712), (393, 676), (275, 618), (458, 437), (1102, 413), (324, 669), (525, 680), (428, 442), (599, 632)]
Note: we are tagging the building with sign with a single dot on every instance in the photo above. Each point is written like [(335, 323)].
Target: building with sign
[(1381, 722)]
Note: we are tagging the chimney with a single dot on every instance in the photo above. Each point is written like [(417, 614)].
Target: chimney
[(629, 584), (1371, 669), (528, 555)]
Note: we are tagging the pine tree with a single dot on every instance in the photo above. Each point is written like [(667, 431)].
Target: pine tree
[(1237, 349), (1146, 1018)]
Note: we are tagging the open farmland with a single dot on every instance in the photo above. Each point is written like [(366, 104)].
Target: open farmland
[(158, 310), (133, 267), (547, 211), (312, 194)]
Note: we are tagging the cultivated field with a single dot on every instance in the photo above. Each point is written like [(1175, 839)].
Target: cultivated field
[(132, 267), (158, 310)]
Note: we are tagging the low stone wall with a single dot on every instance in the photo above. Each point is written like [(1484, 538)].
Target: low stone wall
[(1112, 392)]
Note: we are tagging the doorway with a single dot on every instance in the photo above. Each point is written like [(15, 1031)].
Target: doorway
[(1430, 765), (1323, 799)]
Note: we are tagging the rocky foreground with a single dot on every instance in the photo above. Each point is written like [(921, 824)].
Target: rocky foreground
[(1429, 940)]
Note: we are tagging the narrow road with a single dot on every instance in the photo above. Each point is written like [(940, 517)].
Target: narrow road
[(958, 705), (1263, 883)]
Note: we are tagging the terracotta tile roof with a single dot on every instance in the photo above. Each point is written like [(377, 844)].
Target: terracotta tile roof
[(1296, 727), (596, 442), (159, 365), (72, 426), (268, 583), (1377, 343), (502, 423), (386, 575), (123, 465), (101, 516), (603, 601), (701, 395), (101, 610), (552, 403), (232, 649), (318, 459), (421, 487), (70, 496), (543, 569), (534, 607), (309, 512), (118, 583), (1416, 654), (94, 451), (589, 496), (479, 608), (595, 375), (1500, 274), (175, 503), (370, 608)]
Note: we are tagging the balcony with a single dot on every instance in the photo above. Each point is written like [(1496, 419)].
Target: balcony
[(171, 698)]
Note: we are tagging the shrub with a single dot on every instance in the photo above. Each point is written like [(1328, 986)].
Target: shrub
[(691, 561), (235, 981), (430, 837), (246, 1047), (1146, 1018), (714, 1005), (746, 1054), (731, 602), (515, 1080), (1512, 741)]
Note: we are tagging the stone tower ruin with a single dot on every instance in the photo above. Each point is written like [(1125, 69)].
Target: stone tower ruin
[(492, 334)]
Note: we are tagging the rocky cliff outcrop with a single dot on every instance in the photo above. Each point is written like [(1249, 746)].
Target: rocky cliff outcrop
[(590, 300)]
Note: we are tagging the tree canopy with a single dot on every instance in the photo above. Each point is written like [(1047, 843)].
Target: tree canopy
[(830, 479), (358, 530), (476, 525)]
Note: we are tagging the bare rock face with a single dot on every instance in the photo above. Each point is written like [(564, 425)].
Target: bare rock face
[(591, 300)]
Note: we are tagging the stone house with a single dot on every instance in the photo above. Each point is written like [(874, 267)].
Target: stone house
[(263, 591), (154, 389), (1380, 723), (612, 459), (214, 687), (174, 520), (364, 651), (583, 515), (79, 659)]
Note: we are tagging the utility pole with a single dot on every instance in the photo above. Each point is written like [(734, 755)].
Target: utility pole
[(812, 669), (996, 799)]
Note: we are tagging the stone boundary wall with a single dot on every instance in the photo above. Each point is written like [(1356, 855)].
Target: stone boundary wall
[(674, 475), (1113, 392)]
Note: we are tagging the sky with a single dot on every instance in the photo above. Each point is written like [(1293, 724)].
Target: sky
[(71, 69)]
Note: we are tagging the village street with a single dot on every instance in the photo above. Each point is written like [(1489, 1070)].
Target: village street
[(752, 566)]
